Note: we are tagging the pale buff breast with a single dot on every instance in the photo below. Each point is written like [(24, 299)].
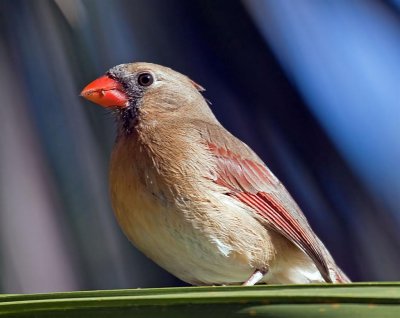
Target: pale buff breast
[(220, 244)]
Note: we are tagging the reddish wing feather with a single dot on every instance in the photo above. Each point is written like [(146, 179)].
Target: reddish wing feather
[(254, 185)]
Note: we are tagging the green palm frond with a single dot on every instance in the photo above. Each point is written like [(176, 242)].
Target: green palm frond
[(351, 300)]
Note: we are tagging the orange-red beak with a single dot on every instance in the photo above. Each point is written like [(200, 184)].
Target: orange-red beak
[(105, 92)]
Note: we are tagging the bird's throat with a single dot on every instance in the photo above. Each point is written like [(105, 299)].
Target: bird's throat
[(127, 119)]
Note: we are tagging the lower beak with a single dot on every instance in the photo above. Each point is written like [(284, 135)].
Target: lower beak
[(106, 92)]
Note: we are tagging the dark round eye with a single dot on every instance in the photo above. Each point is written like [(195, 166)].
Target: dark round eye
[(145, 79)]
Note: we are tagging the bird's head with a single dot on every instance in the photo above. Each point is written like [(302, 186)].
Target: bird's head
[(145, 93)]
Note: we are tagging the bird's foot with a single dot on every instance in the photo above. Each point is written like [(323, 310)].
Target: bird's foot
[(255, 278)]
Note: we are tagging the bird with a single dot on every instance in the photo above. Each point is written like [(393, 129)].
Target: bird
[(192, 197)]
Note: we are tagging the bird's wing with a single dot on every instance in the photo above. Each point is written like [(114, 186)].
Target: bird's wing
[(248, 179)]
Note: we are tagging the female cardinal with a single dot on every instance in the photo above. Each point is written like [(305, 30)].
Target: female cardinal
[(192, 197)]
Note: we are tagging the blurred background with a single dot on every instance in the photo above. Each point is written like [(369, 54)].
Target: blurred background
[(312, 86)]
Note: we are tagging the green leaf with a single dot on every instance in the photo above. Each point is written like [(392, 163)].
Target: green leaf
[(350, 300)]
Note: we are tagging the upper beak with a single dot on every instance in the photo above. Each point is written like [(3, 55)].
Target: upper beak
[(106, 92)]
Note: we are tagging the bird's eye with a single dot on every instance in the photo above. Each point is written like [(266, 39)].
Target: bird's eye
[(145, 79)]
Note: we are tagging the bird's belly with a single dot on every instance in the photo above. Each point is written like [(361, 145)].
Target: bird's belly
[(212, 254), (174, 244)]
